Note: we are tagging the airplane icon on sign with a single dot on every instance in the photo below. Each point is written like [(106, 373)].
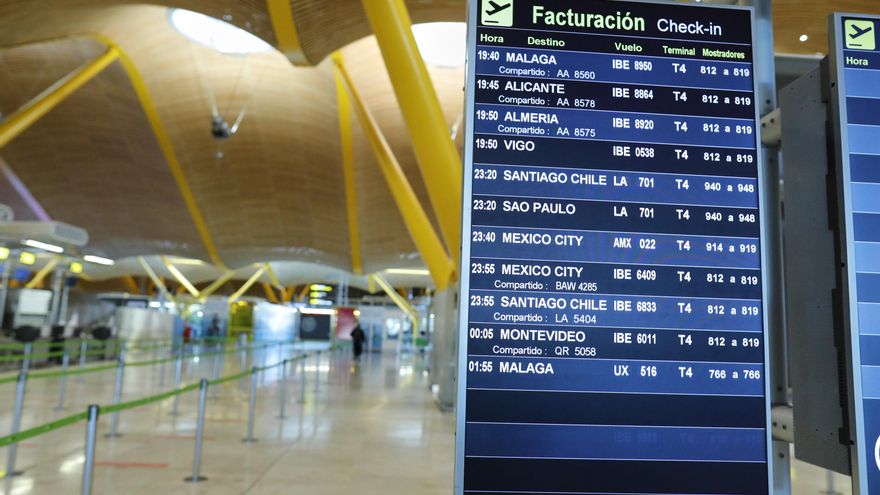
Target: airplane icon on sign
[(859, 34), (496, 8), (498, 13)]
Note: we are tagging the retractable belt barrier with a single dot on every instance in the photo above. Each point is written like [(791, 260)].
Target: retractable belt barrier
[(94, 369), (76, 418)]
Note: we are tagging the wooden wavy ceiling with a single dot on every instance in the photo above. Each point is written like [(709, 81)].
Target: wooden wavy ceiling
[(277, 193)]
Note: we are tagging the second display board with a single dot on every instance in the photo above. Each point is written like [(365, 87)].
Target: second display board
[(612, 325)]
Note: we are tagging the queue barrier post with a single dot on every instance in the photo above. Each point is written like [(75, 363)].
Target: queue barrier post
[(242, 344), (26, 359), (282, 390), (200, 429), (89, 463), (317, 370), (83, 349), (16, 425), (303, 382), (218, 364), (162, 373), (252, 406), (62, 384), (178, 371), (117, 395)]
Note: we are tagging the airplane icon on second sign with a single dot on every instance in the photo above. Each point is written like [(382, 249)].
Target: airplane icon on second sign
[(497, 7), (858, 32)]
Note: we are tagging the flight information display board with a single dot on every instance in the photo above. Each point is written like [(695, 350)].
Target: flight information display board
[(612, 316), (855, 60)]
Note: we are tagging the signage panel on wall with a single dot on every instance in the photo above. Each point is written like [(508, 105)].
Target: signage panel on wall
[(855, 62), (612, 324)]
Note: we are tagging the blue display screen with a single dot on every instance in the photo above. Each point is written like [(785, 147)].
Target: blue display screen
[(858, 74), (613, 325)]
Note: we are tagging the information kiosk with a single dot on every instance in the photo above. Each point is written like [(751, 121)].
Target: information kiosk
[(855, 85), (612, 321)]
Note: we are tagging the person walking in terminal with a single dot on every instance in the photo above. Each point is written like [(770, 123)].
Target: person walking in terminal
[(358, 336)]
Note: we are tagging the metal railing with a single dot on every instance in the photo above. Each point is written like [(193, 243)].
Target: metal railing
[(93, 411)]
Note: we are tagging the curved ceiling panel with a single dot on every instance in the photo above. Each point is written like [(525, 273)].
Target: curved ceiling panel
[(93, 161)]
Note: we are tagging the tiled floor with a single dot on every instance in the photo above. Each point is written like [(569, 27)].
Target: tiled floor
[(367, 429)]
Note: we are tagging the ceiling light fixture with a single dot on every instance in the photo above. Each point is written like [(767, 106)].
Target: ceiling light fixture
[(804, 38), (407, 271), (99, 260), (217, 34), (186, 261), (43, 245), (442, 44)]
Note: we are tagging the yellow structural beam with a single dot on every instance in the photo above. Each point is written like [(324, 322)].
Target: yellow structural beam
[(400, 301), (247, 285), (131, 284), (174, 166), (155, 278), (45, 271), (216, 284), (289, 293), (284, 26), (416, 220), (304, 292), (159, 131), (435, 152), (347, 144), (180, 277), (43, 103), (270, 293), (275, 282)]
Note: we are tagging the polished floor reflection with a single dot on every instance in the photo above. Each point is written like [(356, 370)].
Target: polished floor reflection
[(366, 428)]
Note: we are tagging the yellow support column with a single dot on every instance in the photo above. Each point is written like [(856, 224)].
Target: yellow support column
[(184, 282), (435, 152), (156, 280), (281, 15), (164, 142), (399, 300), (131, 285), (247, 285), (44, 102), (270, 293), (216, 285), (346, 143), (46, 270), (416, 220)]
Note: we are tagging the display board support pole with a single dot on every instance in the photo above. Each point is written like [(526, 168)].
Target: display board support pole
[(777, 343)]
